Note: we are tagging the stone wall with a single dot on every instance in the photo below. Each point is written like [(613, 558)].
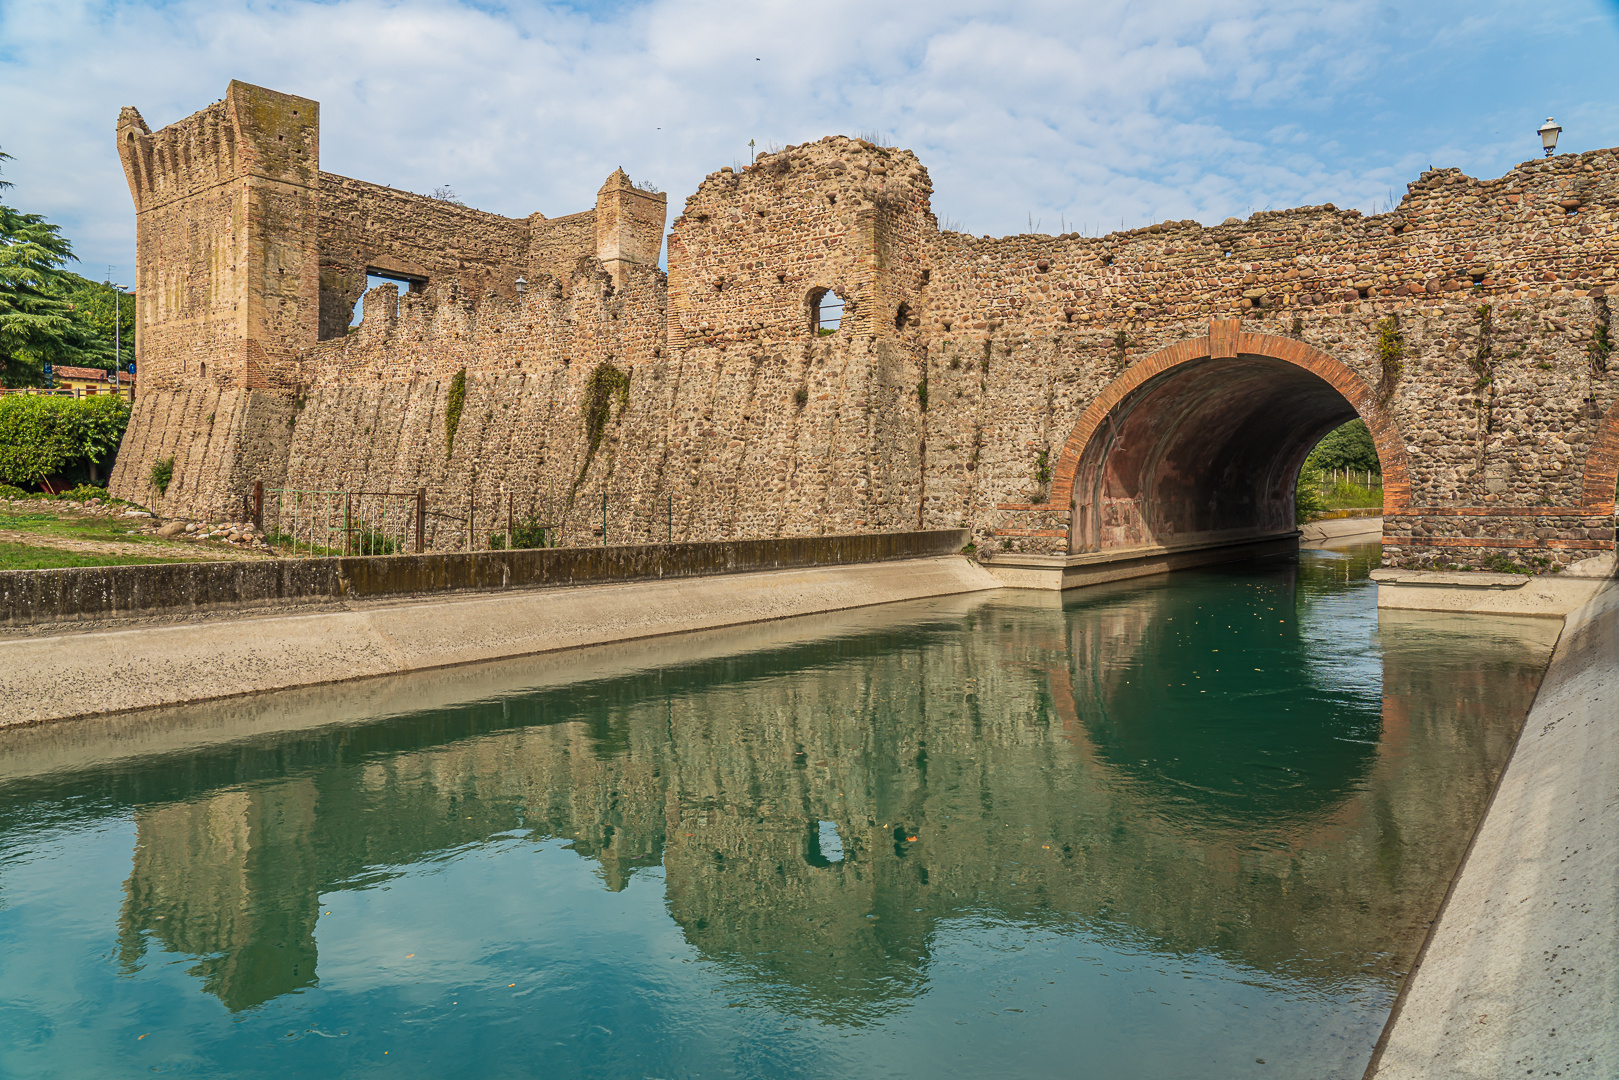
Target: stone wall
[(974, 382)]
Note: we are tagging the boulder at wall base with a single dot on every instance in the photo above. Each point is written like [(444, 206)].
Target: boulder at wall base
[(173, 528)]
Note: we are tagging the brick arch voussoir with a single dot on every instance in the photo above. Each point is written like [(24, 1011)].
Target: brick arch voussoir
[(1379, 420), (1602, 467)]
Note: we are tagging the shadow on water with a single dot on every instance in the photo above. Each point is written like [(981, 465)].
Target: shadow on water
[(1238, 769)]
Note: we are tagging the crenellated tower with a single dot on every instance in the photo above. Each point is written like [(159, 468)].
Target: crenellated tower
[(227, 263)]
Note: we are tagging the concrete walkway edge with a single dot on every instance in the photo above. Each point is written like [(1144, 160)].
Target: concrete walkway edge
[(1520, 974)]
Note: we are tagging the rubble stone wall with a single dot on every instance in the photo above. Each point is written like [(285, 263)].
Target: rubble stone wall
[(973, 382)]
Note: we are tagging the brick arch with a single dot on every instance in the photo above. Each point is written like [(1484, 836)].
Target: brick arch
[(1602, 466), (1226, 340)]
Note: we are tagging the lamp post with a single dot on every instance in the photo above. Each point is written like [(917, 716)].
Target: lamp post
[(1548, 135), (522, 284)]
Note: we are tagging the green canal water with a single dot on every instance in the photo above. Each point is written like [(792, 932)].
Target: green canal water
[(1192, 827)]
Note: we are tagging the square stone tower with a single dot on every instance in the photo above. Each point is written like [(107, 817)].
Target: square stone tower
[(227, 261)]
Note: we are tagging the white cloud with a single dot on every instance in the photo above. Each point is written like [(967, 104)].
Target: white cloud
[(1080, 112)]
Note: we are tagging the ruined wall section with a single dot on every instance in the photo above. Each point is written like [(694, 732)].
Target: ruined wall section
[(374, 416), (369, 226), (1500, 423), (825, 429), (556, 245)]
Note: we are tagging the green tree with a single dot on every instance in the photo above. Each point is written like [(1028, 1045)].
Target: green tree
[(94, 303), (38, 321), (1348, 447)]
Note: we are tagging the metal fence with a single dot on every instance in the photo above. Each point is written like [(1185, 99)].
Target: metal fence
[(317, 522)]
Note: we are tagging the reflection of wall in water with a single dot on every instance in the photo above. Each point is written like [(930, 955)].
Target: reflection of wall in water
[(972, 741)]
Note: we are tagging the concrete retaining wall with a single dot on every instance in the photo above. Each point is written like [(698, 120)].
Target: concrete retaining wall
[(62, 676), (31, 597), (1520, 976)]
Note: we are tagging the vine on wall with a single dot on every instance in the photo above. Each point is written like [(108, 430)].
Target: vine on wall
[(605, 385), (1483, 368), (452, 408)]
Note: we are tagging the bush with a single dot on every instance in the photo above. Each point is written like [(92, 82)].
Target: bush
[(162, 473), (1307, 500), (83, 493), (528, 533), (44, 436), (9, 492)]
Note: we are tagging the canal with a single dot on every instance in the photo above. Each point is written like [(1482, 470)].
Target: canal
[(1191, 826)]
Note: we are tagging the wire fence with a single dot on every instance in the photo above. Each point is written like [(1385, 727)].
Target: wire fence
[(328, 522)]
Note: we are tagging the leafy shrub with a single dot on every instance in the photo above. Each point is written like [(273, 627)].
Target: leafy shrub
[(162, 473), (9, 492), (83, 493), (1307, 500), (43, 436), (528, 533)]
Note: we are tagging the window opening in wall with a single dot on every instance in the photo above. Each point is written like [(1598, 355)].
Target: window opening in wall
[(372, 280), (826, 312), (902, 316)]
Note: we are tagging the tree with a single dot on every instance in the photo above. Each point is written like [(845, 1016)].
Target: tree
[(38, 322), (94, 303), (1348, 447)]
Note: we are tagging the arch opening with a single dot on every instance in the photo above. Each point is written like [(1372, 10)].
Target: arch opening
[(826, 312), (1208, 450)]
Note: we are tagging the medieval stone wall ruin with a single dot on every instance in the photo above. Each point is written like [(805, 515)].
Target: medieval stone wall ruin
[(1052, 394)]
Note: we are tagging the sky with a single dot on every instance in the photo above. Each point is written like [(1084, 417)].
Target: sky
[(1085, 115)]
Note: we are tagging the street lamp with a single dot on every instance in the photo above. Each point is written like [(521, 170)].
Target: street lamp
[(522, 284), (1548, 135)]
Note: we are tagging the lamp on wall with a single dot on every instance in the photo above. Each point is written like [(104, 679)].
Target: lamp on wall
[(522, 283), (1548, 135)]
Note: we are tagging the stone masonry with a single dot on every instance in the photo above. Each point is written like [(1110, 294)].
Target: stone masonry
[(1053, 394)]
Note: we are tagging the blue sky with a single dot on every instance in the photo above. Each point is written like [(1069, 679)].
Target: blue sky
[(1077, 115)]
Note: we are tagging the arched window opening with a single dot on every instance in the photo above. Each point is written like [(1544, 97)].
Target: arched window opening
[(826, 312), (902, 317), (373, 279)]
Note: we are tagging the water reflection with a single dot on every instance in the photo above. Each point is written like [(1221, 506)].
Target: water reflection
[(1237, 764)]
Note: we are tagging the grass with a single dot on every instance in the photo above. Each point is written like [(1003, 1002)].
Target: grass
[(27, 557), (72, 526), (1346, 496)]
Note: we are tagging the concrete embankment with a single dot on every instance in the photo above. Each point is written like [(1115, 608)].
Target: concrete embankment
[(31, 598), (1520, 975), (67, 675)]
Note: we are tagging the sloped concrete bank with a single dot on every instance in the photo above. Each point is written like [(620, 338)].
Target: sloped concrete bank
[(1520, 974), (100, 593), (66, 675)]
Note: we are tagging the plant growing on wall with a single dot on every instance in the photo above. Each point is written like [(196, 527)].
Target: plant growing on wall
[(1600, 345), (606, 384), (1390, 353), (452, 408), (162, 472), (1482, 365)]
